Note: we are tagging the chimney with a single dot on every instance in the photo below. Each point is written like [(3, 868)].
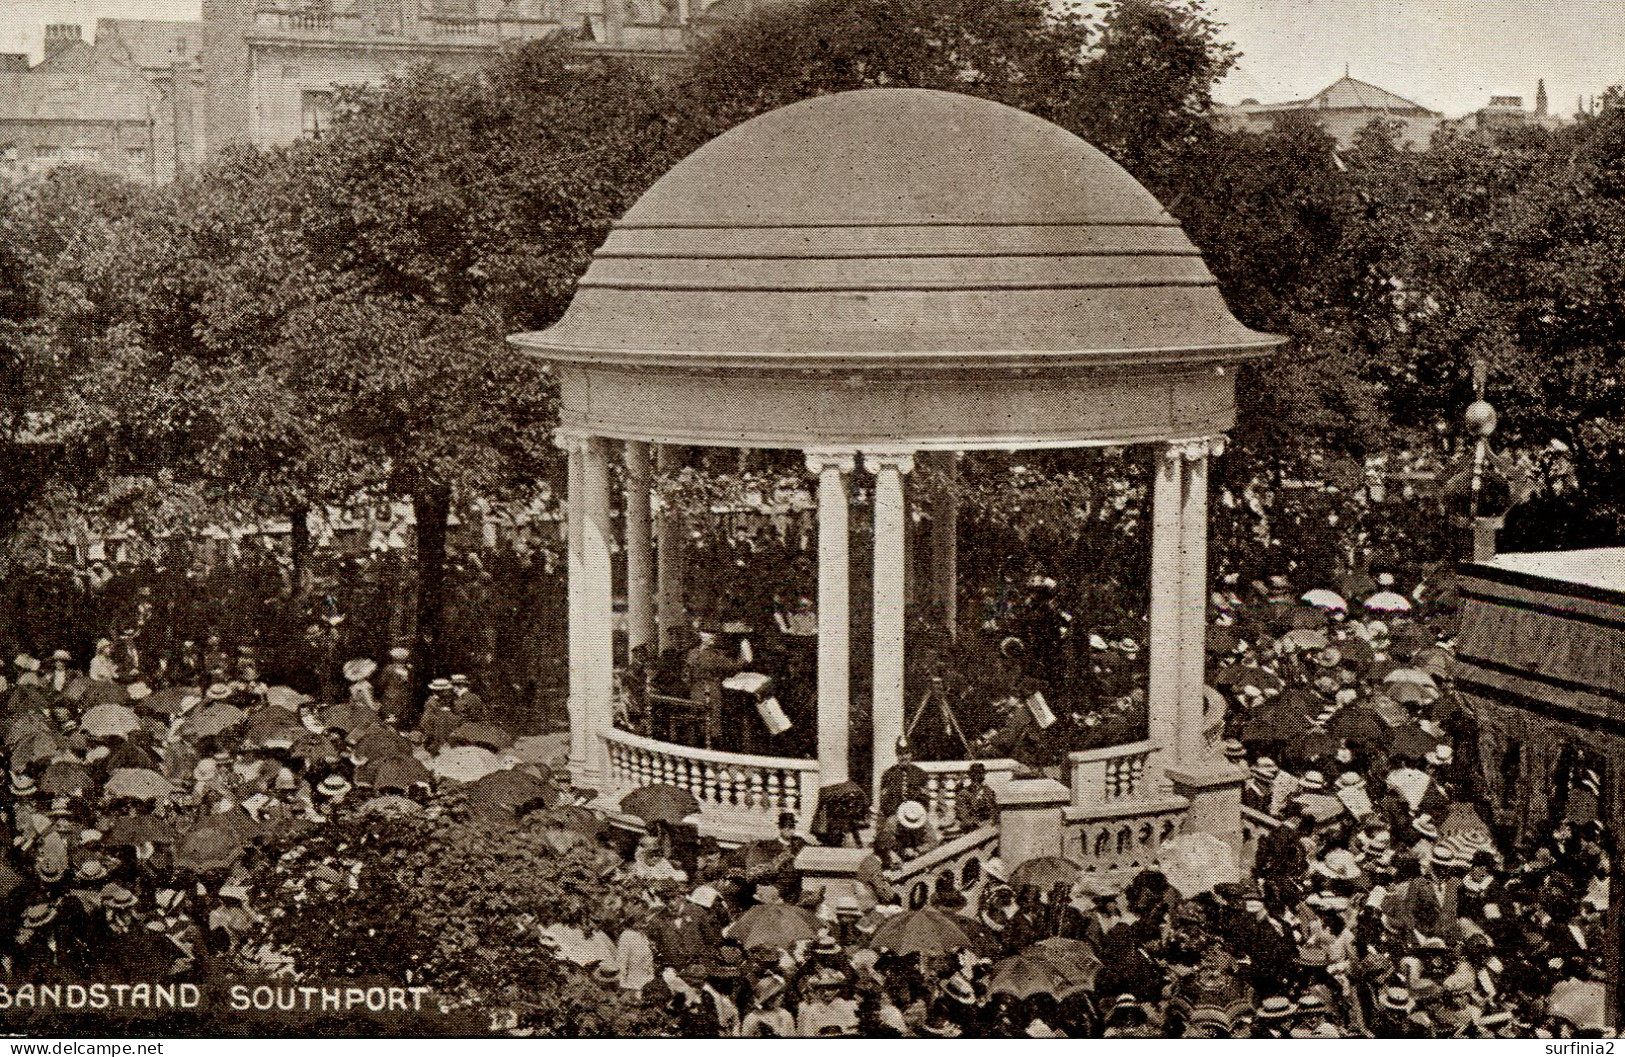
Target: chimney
[(60, 36)]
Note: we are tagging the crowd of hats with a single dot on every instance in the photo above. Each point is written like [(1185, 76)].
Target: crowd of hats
[(1382, 902), (137, 814)]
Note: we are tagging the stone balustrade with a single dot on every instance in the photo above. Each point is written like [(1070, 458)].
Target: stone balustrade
[(944, 779), (739, 795), (964, 859), (1112, 774), (1121, 839)]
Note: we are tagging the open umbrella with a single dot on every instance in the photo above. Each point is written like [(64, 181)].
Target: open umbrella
[(286, 698), (130, 830), (25, 728), (1055, 967), (109, 721), (660, 803), (1357, 652), (40, 747), (393, 772), (1411, 675), (137, 783), (1045, 872), (1221, 639), (1283, 719), (1359, 725), (172, 700), (101, 692), (1412, 741), (1304, 618), (1322, 598), (347, 717), (928, 931), (66, 778), (512, 789), (217, 717), (209, 847), (487, 735), (1580, 1002), (1302, 639), (1241, 676), (1195, 862), (1410, 693), (535, 749), (313, 748), (26, 698), (1388, 602), (465, 763), (777, 925), (270, 722), (379, 743)]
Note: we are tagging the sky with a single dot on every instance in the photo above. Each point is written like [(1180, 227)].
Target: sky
[(1450, 55)]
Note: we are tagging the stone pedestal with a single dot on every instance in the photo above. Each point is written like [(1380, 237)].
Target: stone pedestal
[(1214, 793), (1030, 818), (838, 871)]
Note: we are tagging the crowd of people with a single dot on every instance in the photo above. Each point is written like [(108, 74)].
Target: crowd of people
[(1385, 899)]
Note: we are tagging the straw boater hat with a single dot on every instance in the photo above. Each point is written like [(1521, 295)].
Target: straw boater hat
[(61, 655), (218, 692), (459, 680), (39, 915), (440, 685), (1397, 1000), (399, 653), (333, 785), (1276, 1007), (1312, 1002), (1234, 750), (1312, 782), (1265, 768), (1350, 780), (911, 814), (118, 897), (359, 669), (960, 990), (1423, 824), (1339, 865), (22, 784)]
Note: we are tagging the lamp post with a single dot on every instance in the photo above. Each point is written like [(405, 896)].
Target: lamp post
[(1481, 495)]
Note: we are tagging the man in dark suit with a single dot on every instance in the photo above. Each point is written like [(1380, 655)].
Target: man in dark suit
[(707, 666)]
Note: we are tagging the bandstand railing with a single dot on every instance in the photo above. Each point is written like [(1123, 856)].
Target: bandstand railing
[(944, 779), (737, 791), (1111, 774), (1119, 818), (964, 858)]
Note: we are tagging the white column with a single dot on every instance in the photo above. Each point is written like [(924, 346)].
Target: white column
[(1194, 751), (640, 618), (669, 555), (576, 628), (597, 614), (1167, 587), (834, 614), (890, 517), (945, 544)]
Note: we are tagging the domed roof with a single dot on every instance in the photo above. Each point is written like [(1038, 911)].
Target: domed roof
[(897, 228)]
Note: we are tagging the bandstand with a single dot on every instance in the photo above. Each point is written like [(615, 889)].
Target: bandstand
[(877, 279)]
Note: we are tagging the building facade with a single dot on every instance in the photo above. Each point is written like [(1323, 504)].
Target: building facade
[(153, 99), (1343, 108)]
